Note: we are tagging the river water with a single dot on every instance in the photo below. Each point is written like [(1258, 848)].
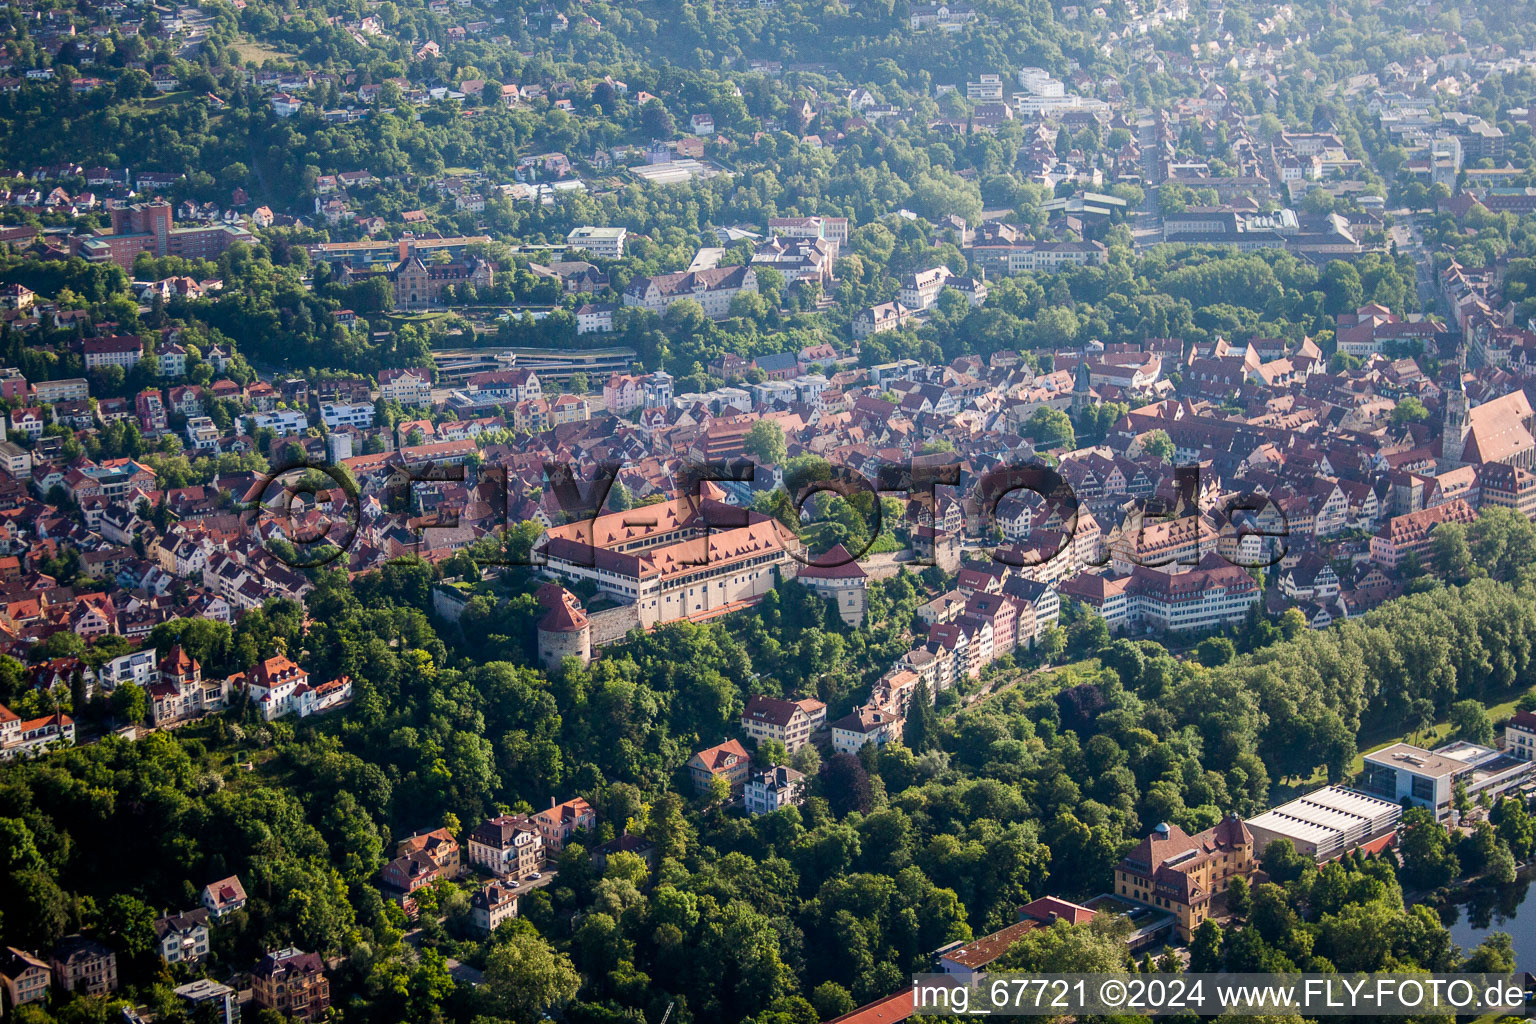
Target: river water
[(1496, 908)]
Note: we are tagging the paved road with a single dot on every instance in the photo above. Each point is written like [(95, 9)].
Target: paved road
[(1411, 243)]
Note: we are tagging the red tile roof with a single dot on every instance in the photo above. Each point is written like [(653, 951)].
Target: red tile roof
[(898, 1007), (836, 564)]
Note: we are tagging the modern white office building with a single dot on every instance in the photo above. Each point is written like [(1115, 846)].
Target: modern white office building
[(602, 243), (1428, 778)]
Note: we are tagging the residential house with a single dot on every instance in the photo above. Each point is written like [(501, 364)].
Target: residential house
[(183, 938), (772, 789), (561, 821), (26, 978), (293, 983), (438, 844), (407, 873), (224, 896), (789, 722), (727, 760), (920, 290), (887, 316), (84, 965), (272, 684), (866, 725), (491, 906), (510, 845)]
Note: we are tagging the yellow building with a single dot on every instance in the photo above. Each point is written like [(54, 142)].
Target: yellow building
[(1180, 873)]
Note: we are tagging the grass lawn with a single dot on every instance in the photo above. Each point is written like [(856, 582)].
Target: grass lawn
[(150, 103), (252, 51), (1042, 682), (1433, 737)]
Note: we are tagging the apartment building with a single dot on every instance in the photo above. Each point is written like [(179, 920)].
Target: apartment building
[(866, 725), (887, 316), (921, 290), (84, 965), (510, 845), (26, 978), (773, 789), (712, 288), (562, 821), (728, 760), (602, 243), (1405, 536), (790, 722), (440, 846), (492, 906), (336, 415), (292, 983)]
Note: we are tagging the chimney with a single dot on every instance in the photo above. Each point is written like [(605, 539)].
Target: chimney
[(551, 803)]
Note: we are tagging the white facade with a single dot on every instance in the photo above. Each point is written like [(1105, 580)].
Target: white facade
[(921, 290), (594, 319), (773, 789), (141, 668), (283, 421), (201, 433), (347, 414), (1038, 82), (408, 387), (602, 243), (1325, 823)]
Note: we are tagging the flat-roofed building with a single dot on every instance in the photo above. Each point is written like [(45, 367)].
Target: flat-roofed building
[(605, 243), (1326, 823), (1428, 778), (225, 1001), (1404, 771)]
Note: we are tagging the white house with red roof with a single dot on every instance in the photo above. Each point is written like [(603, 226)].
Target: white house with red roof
[(19, 738), (225, 896), (311, 700), (273, 684)]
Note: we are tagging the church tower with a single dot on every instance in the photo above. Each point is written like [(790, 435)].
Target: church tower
[(1082, 393), (1453, 438)]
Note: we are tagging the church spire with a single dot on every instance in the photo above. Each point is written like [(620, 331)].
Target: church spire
[(1082, 389), (1456, 424)]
